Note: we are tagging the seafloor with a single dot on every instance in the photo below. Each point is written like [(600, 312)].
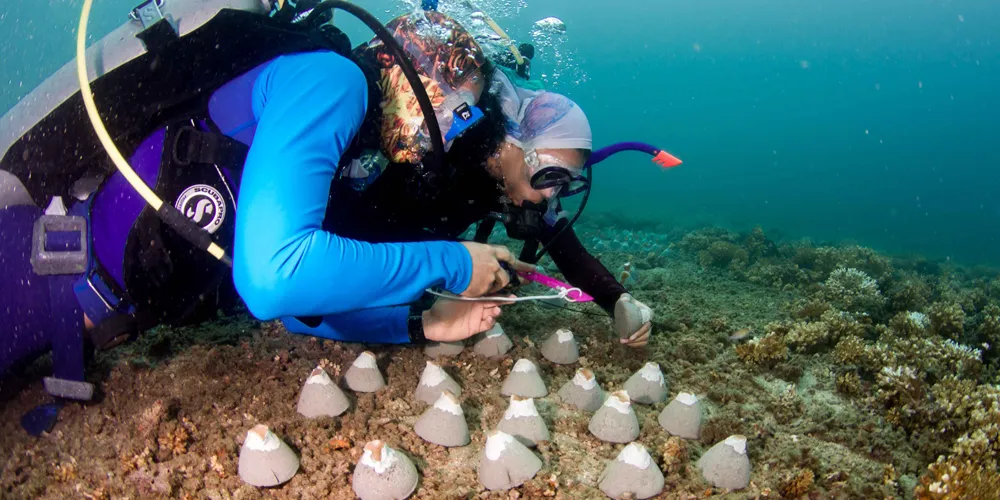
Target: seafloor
[(859, 372)]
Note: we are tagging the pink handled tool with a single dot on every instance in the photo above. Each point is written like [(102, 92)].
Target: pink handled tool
[(575, 294)]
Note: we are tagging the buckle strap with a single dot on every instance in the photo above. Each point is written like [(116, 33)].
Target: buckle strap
[(59, 245), (107, 309), (191, 145), (68, 347)]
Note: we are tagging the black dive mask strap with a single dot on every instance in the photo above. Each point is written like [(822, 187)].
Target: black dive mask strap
[(317, 16)]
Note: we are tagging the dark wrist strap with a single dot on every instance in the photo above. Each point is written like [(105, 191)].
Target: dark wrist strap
[(415, 327), (415, 319)]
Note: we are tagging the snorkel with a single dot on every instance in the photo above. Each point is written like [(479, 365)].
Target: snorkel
[(660, 157)]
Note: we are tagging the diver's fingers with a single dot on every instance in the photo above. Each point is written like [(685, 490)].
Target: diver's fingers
[(523, 267), (640, 337), (503, 254), (492, 310), (500, 280), (487, 323), (636, 343), (643, 333)]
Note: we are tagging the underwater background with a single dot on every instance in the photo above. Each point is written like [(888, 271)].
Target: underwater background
[(867, 121), (823, 271)]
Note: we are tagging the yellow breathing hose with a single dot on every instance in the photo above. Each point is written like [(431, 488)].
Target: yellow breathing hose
[(126, 170)]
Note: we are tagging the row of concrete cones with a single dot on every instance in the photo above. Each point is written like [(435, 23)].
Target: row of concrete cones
[(507, 459)]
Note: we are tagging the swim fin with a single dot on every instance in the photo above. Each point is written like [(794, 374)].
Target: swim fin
[(41, 418)]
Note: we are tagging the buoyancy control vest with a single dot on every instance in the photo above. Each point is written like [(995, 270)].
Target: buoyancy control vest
[(163, 109)]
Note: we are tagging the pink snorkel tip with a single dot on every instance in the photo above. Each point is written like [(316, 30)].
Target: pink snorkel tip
[(666, 160)]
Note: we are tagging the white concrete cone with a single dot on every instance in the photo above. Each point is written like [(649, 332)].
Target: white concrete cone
[(321, 397), (629, 318), (615, 421), (506, 463), (522, 421), (384, 474), (433, 381), (493, 343), (265, 460), (647, 386), (726, 465), (363, 375), (682, 417), (524, 380), (561, 348), (439, 349), (444, 423), (582, 391), (634, 474)]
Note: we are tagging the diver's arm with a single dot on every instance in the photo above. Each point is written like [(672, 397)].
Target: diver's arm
[(584, 271), (308, 108)]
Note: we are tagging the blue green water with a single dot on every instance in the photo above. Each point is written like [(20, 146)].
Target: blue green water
[(868, 121)]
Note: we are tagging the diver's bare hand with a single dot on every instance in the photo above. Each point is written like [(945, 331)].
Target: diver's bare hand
[(640, 318), (487, 275), (454, 320)]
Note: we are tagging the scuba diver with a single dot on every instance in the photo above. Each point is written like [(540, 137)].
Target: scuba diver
[(276, 121), (507, 59)]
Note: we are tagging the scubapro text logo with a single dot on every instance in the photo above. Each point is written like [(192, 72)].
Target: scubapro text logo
[(204, 205)]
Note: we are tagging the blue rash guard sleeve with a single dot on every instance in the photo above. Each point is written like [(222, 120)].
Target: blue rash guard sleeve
[(383, 325), (308, 107)]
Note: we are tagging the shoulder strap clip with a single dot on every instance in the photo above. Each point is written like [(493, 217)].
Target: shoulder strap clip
[(191, 145), (157, 31)]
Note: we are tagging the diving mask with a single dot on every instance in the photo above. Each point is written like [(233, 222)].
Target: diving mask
[(554, 176)]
